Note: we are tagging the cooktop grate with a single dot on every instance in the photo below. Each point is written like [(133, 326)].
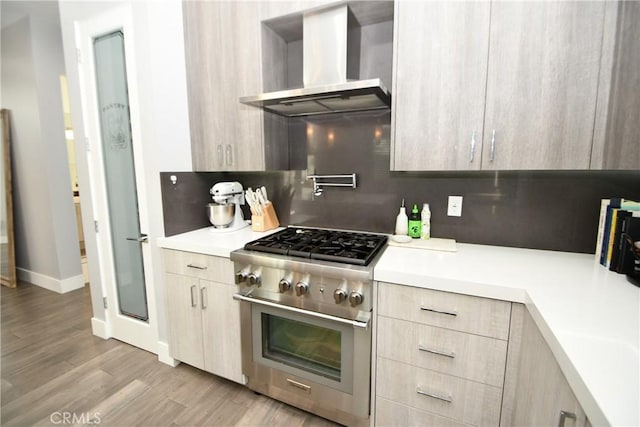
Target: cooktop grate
[(330, 245)]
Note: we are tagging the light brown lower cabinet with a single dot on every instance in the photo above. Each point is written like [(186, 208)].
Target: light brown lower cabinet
[(440, 357), (542, 394), (445, 359), (203, 318)]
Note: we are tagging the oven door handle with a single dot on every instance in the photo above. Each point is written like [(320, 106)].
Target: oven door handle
[(354, 323)]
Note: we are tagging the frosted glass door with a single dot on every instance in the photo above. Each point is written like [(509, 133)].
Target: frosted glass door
[(119, 170)]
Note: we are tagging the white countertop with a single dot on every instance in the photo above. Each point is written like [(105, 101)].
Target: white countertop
[(589, 316), (210, 241)]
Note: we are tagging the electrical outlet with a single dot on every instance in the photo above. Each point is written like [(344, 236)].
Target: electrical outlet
[(454, 207)]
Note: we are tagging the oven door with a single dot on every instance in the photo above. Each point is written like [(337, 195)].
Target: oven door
[(317, 349), (323, 361)]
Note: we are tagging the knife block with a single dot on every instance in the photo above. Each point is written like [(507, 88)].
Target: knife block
[(267, 221)]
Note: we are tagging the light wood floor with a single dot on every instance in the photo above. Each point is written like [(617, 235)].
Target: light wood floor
[(52, 367)]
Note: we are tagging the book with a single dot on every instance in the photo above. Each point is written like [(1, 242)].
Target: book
[(616, 226), (612, 235), (630, 234), (603, 215), (609, 226), (629, 205), (614, 203)]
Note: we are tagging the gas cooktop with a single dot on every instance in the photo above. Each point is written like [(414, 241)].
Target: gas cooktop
[(346, 247)]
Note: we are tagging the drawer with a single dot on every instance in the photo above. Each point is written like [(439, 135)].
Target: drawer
[(468, 356), (389, 414), (462, 400), (208, 267), (481, 316)]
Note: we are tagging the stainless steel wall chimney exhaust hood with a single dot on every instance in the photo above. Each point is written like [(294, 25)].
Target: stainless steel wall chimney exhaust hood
[(331, 58)]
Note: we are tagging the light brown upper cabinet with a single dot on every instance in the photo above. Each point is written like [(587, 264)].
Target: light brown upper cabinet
[(224, 62), (542, 84), (439, 81), (616, 141), (510, 86)]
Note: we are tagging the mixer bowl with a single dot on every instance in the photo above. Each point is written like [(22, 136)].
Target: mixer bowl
[(221, 215)]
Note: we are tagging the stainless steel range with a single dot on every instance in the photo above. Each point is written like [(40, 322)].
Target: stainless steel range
[(306, 312)]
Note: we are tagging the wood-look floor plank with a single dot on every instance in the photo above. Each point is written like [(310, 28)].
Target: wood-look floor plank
[(113, 403), (52, 364)]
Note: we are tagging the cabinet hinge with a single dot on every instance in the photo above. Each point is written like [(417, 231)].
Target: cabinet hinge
[(95, 226), (78, 56), (104, 302), (87, 145)]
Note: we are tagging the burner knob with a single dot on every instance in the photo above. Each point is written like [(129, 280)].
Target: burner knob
[(241, 276), (284, 285), (339, 296), (355, 298), (254, 278), (301, 288)]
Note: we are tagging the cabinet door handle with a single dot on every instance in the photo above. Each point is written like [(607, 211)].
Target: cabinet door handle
[(193, 298), (203, 297), (441, 353), (433, 310), (563, 417), (220, 155), (473, 146), (493, 145), (199, 267), (435, 396), (229, 152)]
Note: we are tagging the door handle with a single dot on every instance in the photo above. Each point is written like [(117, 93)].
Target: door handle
[(143, 238)]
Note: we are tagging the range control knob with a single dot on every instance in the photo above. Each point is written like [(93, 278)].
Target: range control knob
[(301, 288), (339, 296), (254, 278), (241, 276), (355, 298), (284, 285)]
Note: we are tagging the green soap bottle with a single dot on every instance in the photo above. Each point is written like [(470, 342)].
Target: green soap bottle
[(415, 223)]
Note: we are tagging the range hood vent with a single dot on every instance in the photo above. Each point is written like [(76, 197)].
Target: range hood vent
[(331, 58)]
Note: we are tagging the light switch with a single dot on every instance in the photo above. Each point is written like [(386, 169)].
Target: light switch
[(454, 207)]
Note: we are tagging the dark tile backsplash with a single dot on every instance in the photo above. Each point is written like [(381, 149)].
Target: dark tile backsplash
[(555, 210)]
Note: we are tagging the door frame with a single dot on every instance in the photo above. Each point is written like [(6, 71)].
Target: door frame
[(132, 331)]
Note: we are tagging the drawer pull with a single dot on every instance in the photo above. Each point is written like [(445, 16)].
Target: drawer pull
[(435, 396), (563, 417), (301, 386), (441, 353), (199, 267), (433, 310)]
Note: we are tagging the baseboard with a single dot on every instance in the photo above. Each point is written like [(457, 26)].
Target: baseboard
[(99, 328), (55, 285), (164, 355)]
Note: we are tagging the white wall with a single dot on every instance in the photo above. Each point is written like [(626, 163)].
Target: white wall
[(47, 249), (161, 82)]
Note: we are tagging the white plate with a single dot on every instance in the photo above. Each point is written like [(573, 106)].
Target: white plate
[(401, 238)]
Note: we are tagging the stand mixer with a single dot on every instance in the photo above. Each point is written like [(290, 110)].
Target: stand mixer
[(225, 213)]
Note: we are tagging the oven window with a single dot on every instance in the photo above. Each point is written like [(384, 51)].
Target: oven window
[(308, 347)]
